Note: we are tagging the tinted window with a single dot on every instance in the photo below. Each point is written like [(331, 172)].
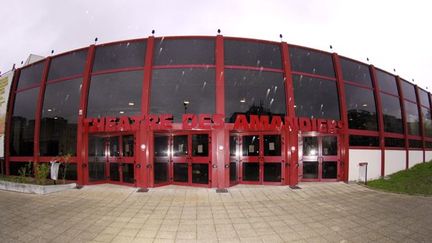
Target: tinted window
[(392, 114), (31, 75), (355, 140), (249, 53), (361, 108), (23, 121), (184, 51), (115, 94), (387, 82), (253, 92), (424, 98), (308, 61), (67, 65), (356, 72), (59, 118), (415, 143), (179, 91), (408, 91), (394, 142), (427, 122), (122, 55), (412, 117), (315, 98), (428, 144)]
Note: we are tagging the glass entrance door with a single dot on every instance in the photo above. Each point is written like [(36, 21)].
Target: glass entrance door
[(319, 158), (111, 159)]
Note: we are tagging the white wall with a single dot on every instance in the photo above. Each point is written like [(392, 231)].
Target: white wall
[(373, 157), (395, 160), (415, 157), (428, 155)]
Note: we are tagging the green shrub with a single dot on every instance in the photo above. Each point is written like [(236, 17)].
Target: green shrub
[(41, 173)]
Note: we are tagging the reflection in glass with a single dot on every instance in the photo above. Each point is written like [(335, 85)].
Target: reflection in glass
[(160, 172), (251, 145), (329, 170), (392, 113), (408, 91), (200, 173), (272, 145), (329, 145), (233, 171), (67, 65), (114, 147), (427, 121), (315, 98), (251, 171), (171, 88), (368, 141), (251, 53), (200, 144), (394, 142), (233, 146), (309, 61), (128, 145), (361, 109), (412, 118), (128, 173), (96, 158), (181, 173), (114, 172), (184, 51), (387, 82), (115, 94), (310, 146), (160, 146), (119, 55), (23, 121), (355, 72), (180, 145), (31, 75), (424, 98), (253, 93), (272, 172), (58, 134), (310, 170)]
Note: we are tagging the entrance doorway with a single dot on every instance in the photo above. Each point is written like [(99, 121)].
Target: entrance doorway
[(182, 158), (257, 158), (111, 159), (319, 158)]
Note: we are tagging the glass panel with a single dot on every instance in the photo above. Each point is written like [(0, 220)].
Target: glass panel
[(392, 113), (427, 122), (96, 170), (272, 172), (415, 143), (412, 117), (180, 145), (253, 93), (114, 172), (428, 144), (160, 172), (181, 173), (31, 75), (200, 173), (387, 82), (272, 145), (96, 157), (408, 91), (251, 145), (233, 171), (251, 171), (160, 146), (361, 108), (121, 55), (96, 146), (310, 170), (115, 94), (329, 145), (424, 98), (329, 170), (251, 53), (356, 72), (184, 51), (233, 146), (310, 146), (128, 173), (23, 121), (315, 98), (355, 140), (200, 144), (114, 147), (67, 65), (179, 91), (309, 61), (128, 145), (15, 167), (71, 172), (394, 142), (58, 134)]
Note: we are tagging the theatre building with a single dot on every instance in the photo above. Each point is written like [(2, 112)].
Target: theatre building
[(214, 111)]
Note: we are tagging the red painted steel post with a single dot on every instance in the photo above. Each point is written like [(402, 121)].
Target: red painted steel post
[(9, 113), (404, 119), (379, 116), (82, 135), (291, 135), (344, 137), (419, 108)]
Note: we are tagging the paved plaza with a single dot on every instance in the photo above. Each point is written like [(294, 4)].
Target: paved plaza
[(318, 212)]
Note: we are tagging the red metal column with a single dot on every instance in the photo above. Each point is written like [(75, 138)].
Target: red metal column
[(402, 100), (11, 102), (82, 135), (220, 157), (379, 116), (344, 137), (291, 136), (422, 131), (39, 107)]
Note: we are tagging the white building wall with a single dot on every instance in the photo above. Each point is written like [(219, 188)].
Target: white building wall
[(372, 157), (428, 155), (415, 157), (395, 160)]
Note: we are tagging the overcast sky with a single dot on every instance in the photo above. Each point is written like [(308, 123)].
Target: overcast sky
[(393, 34)]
